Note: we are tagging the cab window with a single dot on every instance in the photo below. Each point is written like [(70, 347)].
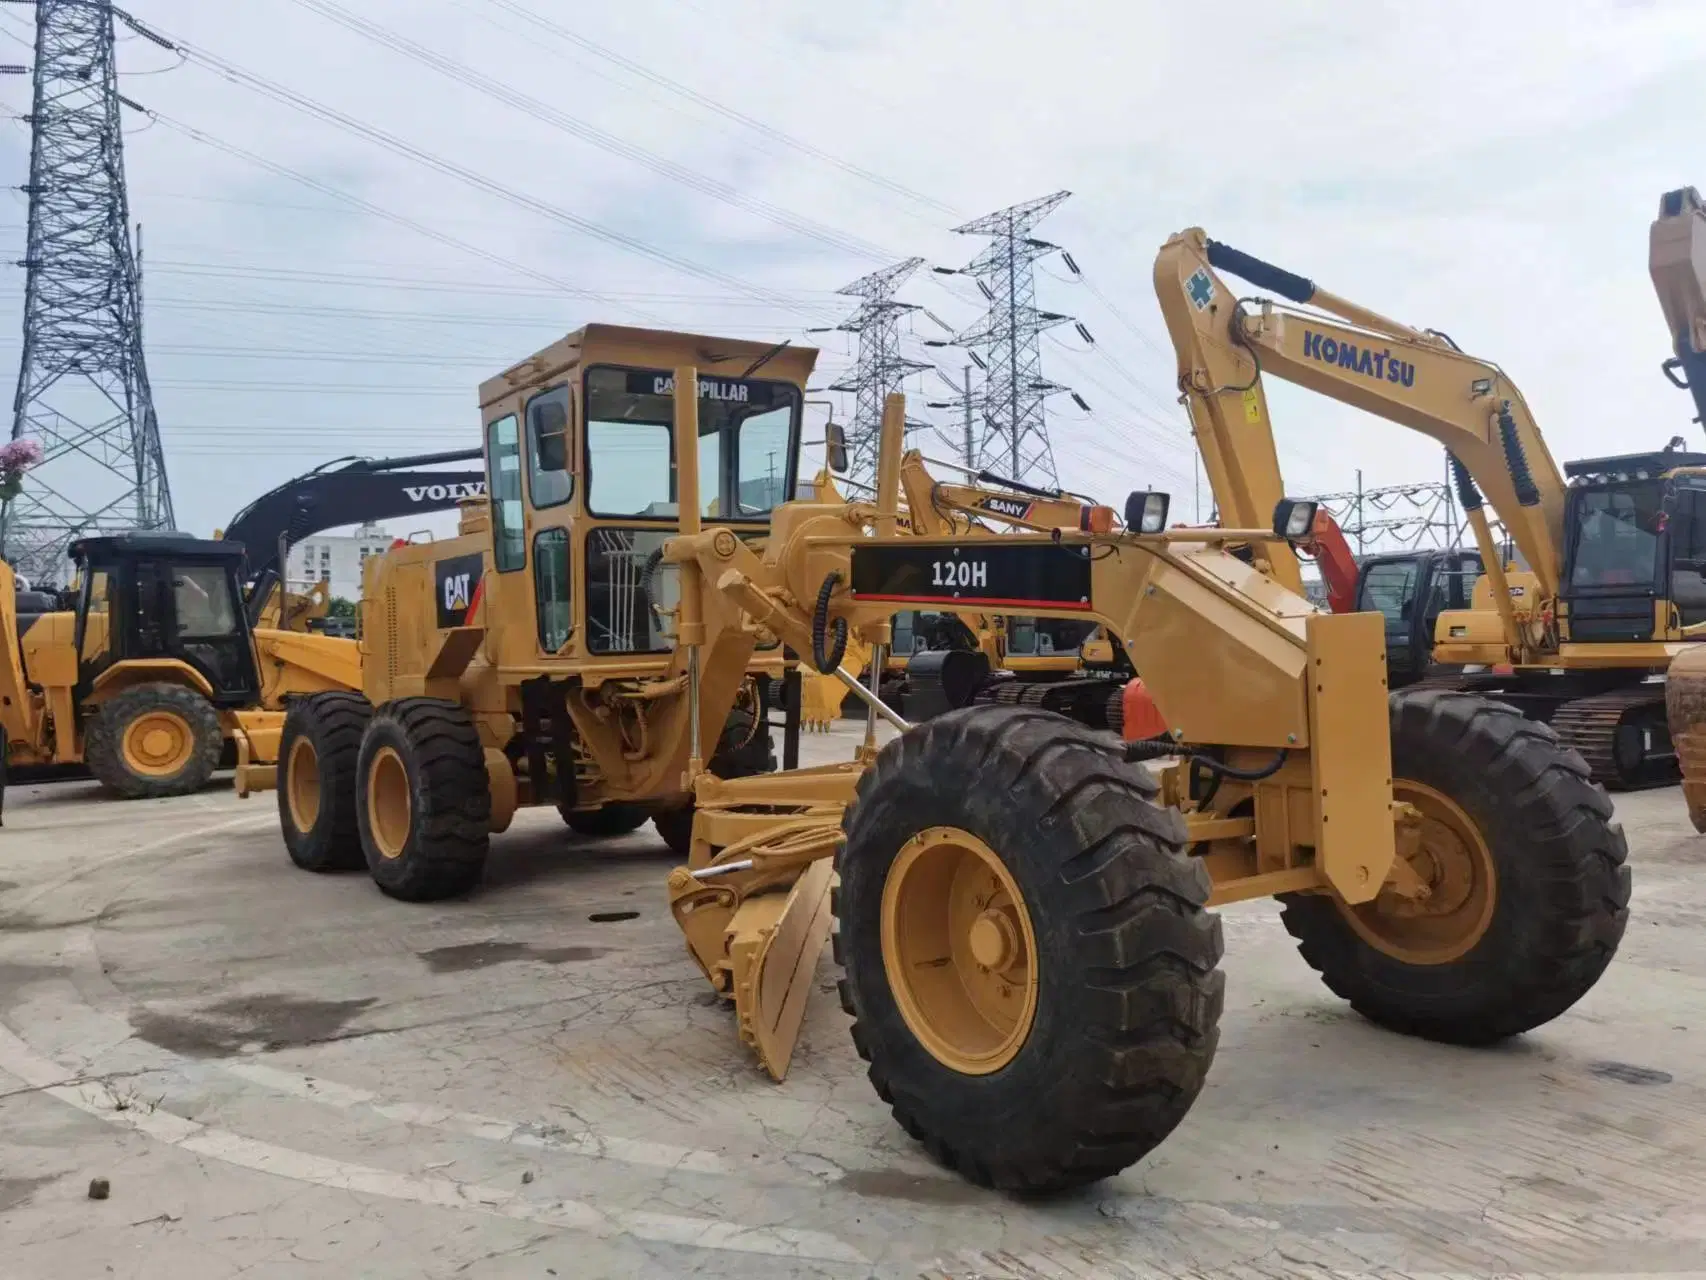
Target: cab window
[(748, 430), (551, 588), (201, 599), (503, 460), (550, 481), (1616, 536), (1389, 588)]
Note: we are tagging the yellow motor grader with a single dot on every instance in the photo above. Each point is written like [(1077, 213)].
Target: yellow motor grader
[(154, 670), (1021, 908)]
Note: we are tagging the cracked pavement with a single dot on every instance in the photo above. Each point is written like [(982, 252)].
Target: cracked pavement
[(291, 1075)]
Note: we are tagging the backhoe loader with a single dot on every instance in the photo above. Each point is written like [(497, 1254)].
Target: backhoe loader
[(155, 670), (1020, 906), (1581, 637)]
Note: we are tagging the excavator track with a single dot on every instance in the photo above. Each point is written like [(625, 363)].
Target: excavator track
[(1622, 735)]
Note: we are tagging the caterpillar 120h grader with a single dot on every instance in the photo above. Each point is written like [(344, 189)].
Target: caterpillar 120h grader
[(155, 670), (1021, 909), (1582, 636)]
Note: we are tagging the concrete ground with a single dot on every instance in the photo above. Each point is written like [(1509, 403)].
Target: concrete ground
[(286, 1075)]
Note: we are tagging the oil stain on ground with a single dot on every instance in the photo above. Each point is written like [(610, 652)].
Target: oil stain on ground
[(247, 1024), (17, 1191), (480, 955)]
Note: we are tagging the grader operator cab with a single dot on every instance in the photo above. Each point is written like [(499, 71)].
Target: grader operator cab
[(549, 621), (1019, 906), (153, 670)]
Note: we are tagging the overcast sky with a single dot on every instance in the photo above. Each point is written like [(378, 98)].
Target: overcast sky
[(1485, 168)]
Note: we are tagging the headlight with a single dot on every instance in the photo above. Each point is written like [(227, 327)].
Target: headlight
[(1294, 518), (1146, 512)]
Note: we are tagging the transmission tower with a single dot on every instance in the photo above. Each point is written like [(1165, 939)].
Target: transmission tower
[(1408, 517), (83, 390), (1014, 439), (881, 367)]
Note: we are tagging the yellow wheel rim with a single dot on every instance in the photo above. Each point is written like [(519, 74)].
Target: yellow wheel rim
[(158, 744), (302, 774), (388, 802), (1453, 861), (958, 950)]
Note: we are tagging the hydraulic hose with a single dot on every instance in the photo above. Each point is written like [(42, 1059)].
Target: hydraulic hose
[(1522, 480), (1468, 493), (828, 661)]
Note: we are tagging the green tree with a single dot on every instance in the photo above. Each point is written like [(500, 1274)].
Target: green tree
[(338, 607)]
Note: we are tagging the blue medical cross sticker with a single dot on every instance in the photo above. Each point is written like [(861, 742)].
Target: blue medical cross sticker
[(1201, 288)]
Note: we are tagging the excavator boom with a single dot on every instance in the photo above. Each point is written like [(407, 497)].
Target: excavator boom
[(1415, 378), (1676, 258)]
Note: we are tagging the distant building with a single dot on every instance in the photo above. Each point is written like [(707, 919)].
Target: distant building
[(336, 559)]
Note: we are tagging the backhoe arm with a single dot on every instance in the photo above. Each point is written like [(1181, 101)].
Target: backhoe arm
[(1414, 378)]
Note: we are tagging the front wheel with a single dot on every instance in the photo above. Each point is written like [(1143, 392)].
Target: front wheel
[(1028, 959), (1528, 894), (424, 800), (154, 740), (318, 754)]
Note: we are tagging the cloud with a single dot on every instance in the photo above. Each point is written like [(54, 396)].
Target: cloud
[(1488, 169)]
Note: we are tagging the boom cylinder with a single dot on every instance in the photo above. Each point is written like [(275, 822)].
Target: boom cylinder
[(690, 622)]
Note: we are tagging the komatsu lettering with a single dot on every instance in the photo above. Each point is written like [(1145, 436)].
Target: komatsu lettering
[(709, 389), (444, 492), (959, 573), (1380, 365)]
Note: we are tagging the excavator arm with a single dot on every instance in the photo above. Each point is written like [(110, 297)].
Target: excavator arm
[(1418, 379), (1676, 258)]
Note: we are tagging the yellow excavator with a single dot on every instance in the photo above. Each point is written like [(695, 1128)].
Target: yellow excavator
[(155, 674), (1612, 590)]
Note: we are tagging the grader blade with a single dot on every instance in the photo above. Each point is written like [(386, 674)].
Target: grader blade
[(1685, 715), (775, 940)]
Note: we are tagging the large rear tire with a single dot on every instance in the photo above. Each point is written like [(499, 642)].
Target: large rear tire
[(1529, 894), (1028, 959), (319, 752), (424, 800), (154, 740)]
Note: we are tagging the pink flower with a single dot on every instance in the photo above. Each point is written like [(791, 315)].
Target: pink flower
[(19, 456)]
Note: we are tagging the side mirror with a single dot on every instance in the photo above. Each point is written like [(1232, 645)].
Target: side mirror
[(1146, 512), (835, 447), (1294, 518)]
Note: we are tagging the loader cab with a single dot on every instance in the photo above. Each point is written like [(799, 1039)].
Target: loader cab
[(1411, 589), (1635, 538), (165, 597)]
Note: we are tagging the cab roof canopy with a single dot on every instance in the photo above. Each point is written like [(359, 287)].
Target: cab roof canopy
[(654, 349), (178, 546), (1589, 470)]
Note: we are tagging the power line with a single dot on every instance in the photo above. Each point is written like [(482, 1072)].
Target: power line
[(675, 87), (600, 138)]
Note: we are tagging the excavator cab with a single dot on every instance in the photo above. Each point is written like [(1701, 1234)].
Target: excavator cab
[(163, 598), (1412, 589), (1635, 539)]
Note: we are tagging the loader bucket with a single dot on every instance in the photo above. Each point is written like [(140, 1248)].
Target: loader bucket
[(1685, 712), (775, 940)]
